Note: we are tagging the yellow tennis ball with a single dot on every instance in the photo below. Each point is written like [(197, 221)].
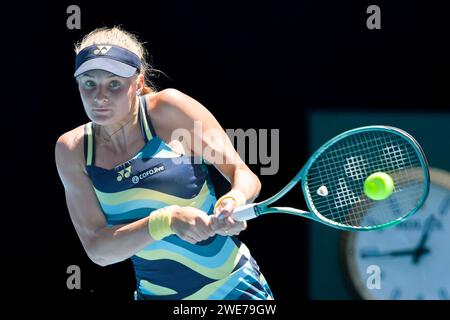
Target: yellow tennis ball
[(378, 186)]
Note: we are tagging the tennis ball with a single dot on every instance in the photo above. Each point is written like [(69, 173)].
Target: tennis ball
[(378, 186)]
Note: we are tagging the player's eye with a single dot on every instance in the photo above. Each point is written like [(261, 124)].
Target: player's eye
[(89, 84), (114, 84)]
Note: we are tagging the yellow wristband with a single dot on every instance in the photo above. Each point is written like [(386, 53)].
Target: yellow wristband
[(236, 195), (159, 223)]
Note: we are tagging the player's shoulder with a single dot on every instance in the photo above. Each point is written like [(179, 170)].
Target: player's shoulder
[(168, 104), (69, 147), (165, 100)]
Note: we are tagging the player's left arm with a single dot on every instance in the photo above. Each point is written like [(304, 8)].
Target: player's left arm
[(206, 138)]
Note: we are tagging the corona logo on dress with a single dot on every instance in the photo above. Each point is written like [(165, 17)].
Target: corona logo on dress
[(102, 50), (125, 173)]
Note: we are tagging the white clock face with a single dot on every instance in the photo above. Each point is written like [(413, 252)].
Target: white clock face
[(413, 257)]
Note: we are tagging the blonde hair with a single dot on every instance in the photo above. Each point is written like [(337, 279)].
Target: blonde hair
[(119, 37)]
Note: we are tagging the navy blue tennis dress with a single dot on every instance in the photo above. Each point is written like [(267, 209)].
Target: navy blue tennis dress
[(157, 176)]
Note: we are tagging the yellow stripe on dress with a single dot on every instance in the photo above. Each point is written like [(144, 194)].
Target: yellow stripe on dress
[(144, 119), (205, 292), (155, 289), (90, 144), (212, 273)]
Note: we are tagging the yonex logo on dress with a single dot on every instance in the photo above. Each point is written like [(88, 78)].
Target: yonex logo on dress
[(147, 173), (102, 50), (125, 173)]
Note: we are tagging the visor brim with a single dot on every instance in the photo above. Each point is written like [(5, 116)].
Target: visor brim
[(116, 67)]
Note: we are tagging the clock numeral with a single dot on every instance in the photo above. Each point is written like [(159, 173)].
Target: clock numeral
[(445, 206), (443, 294), (395, 294)]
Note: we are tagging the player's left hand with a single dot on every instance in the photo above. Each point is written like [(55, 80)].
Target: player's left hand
[(222, 223)]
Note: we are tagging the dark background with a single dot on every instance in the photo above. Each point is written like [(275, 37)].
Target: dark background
[(253, 65)]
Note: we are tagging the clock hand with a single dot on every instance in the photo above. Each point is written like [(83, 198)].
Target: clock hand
[(394, 253), (419, 251)]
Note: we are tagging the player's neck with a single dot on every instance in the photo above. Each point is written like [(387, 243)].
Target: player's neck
[(121, 136)]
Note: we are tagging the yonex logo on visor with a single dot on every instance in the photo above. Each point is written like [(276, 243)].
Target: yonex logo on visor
[(102, 50), (115, 59)]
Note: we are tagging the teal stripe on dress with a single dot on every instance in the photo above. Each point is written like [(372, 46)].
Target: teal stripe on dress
[(148, 203), (153, 147), (125, 207), (203, 250), (209, 202), (213, 256)]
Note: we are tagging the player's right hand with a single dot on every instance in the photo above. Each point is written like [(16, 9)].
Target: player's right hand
[(191, 224)]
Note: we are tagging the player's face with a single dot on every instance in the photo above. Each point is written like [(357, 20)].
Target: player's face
[(107, 98)]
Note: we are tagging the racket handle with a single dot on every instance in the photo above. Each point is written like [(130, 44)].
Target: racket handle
[(245, 212)]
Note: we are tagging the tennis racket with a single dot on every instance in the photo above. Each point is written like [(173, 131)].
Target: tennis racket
[(333, 181)]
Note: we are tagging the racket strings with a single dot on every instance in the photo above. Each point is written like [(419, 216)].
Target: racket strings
[(392, 160), (343, 167)]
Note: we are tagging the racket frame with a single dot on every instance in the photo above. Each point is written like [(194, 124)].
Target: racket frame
[(250, 211)]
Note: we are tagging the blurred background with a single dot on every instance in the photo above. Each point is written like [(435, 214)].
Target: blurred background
[(311, 69)]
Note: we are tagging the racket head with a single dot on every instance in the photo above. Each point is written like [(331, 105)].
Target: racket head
[(333, 178)]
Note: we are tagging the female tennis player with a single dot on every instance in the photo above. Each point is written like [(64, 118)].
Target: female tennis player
[(133, 191)]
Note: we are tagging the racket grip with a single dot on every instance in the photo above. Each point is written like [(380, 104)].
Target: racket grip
[(245, 212)]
